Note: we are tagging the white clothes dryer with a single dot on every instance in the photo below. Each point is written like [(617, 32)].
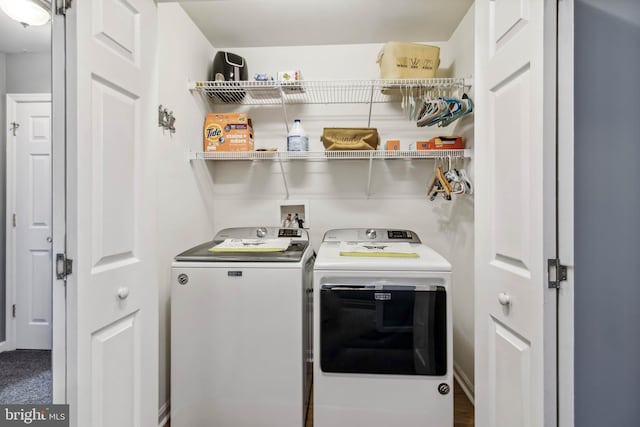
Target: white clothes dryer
[(241, 330), (382, 331)]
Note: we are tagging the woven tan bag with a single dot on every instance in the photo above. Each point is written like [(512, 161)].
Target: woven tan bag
[(408, 61), (350, 138)]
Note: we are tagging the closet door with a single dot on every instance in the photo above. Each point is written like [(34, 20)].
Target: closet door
[(515, 213), (113, 290)]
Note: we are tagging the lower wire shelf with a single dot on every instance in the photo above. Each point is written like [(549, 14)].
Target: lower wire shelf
[(329, 155), (370, 155)]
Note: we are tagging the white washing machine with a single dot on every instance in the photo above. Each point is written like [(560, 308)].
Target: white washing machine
[(241, 331), (382, 331)]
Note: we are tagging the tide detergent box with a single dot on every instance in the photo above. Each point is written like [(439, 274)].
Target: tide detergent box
[(228, 132)]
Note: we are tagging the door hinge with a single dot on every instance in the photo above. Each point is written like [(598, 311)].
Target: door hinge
[(556, 273), (14, 221), (62, 6), (64, 266), (13, 310)]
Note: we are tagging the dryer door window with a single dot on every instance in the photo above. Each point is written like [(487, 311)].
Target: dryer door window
[(383, 330)]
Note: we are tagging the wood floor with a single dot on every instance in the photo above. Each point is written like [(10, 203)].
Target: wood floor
[(462, 409)]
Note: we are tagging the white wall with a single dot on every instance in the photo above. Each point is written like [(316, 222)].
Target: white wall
[(248, 193), (462, 243), (184, 211), (195, 199), (29, 72)]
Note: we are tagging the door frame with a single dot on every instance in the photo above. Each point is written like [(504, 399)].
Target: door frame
[(565, 191), (61, 312), (13, 100)]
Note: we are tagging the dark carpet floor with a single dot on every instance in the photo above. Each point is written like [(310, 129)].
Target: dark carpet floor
[(25, 377)]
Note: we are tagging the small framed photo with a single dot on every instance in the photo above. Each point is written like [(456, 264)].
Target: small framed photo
[(293, 214)]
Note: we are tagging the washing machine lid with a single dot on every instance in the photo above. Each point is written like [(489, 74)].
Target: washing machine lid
[(299, 243), (427, 259), (419, 257)]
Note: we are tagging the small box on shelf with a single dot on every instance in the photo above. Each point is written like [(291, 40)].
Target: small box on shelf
[(440, 143), (393, 145), (228, 132)]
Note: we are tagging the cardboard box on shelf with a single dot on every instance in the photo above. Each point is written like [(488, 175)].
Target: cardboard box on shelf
[(440, 143), (291, 80), (289, 75), (419, 145), (393, 145), (228, 132), (445, 143)]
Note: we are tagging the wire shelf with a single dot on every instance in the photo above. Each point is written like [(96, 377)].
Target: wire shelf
[(329, 155), (322, 91)]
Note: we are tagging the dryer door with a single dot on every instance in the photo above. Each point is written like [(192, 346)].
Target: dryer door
[(382, 329)]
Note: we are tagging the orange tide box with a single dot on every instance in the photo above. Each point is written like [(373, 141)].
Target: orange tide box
[(441, 143), (228, 132), (393, 144)]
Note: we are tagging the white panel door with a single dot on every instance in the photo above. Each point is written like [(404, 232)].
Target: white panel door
[(113, 291), (33, 259), (515, 213)]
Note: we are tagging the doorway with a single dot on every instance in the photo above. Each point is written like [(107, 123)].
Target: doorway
[(27, 374)]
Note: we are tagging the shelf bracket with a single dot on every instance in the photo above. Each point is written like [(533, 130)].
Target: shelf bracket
[(369, 175), (467, 83), (284, 110), (370, 106), (284, 177)]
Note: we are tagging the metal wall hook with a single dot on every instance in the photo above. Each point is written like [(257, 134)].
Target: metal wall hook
[(162, 116), (14, 127), (171, 120), (166, 119)]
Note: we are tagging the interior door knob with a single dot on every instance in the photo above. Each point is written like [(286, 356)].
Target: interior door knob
[(504, 299), (49, 239), (123, 292)]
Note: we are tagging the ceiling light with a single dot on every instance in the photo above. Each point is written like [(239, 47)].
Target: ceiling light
[(26, 12)]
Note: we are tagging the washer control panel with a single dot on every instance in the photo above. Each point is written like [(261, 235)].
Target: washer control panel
[(290, 232), (262, 233)]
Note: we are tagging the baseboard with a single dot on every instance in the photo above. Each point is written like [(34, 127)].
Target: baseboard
[(164, 414), (465, 383), (6, 345)]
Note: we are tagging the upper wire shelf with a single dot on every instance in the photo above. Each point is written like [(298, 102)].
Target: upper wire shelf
[(323, 91)]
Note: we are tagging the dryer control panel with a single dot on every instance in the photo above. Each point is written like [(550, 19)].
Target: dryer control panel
[(399, 235), (371, 235)]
